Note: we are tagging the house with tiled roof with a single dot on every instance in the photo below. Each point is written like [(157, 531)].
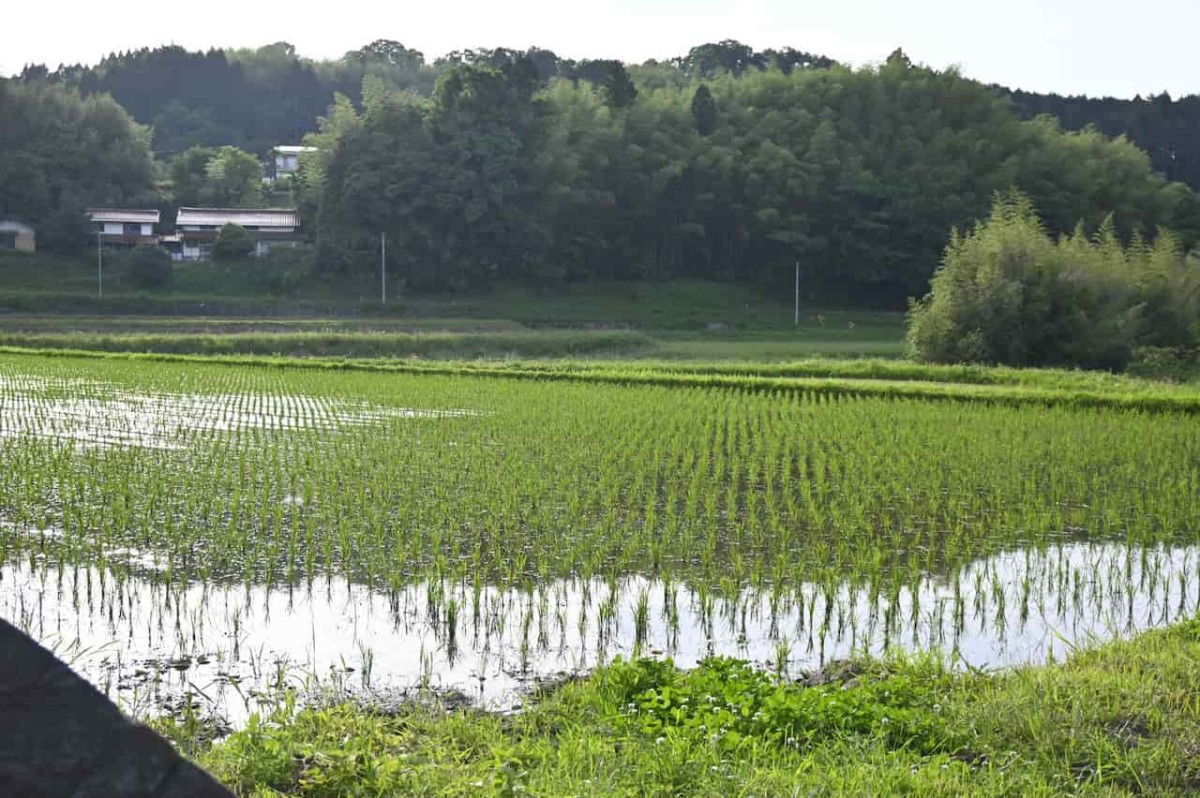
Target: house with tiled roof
[(197, 228)]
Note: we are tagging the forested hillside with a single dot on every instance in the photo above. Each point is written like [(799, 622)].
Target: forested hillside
[(495, 165), (857, 175), (1168, 130), (254, 99)]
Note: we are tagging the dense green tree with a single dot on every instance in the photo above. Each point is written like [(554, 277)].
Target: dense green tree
[(61, 152), (451, 181), (390, 52), (225, 177), (788, 58), (234, 179), (233, 244), (728, 56), (1167, 129)]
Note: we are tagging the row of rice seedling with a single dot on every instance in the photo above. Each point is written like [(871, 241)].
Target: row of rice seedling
[(829, 517), (1014, 387), (280, 475)]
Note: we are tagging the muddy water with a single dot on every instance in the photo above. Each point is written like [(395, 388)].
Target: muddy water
[(147, 645)]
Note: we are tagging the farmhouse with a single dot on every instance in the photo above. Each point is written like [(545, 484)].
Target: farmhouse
[(287, 159), (119, 227), (17, 235), (197, 228)]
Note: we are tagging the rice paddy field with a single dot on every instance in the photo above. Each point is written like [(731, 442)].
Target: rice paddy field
[(199, 535)]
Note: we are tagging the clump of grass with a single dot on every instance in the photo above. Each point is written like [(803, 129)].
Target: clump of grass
[(1117, 721)]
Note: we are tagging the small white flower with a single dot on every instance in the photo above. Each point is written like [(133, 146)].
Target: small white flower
[(660, 741), (884, 721)]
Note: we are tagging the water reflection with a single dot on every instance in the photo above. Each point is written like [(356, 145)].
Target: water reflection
[(91, 413), (145, 643)]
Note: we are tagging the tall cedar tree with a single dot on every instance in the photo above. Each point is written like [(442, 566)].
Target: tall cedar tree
[(618, 89), (704, 111)]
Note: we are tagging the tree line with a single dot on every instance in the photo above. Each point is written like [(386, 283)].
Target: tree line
[(256, 98), (1168, 130), (856, 175), (726, 164)]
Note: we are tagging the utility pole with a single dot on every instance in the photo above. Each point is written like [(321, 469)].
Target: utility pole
[(383, 268), (99, 267), (796, 322)]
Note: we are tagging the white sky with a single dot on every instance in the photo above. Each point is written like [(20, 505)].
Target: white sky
[(1097, 47)]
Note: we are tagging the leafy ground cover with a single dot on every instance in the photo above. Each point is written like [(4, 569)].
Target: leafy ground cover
[(1119, 720)]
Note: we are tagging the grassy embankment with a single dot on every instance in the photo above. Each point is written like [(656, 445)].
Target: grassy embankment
[(1123, 719), (865, 378), (45, 302)]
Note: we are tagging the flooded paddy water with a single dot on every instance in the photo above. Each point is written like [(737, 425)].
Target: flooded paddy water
[(212, 534), (229, 646)]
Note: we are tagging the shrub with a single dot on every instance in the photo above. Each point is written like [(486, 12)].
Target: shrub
[(1009, 293), (1171, 364), (150, 267), (727, 700), (233, 244)]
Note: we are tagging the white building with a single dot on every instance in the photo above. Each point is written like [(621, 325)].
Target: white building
[(123, 227), (17, 235), (287, 159)]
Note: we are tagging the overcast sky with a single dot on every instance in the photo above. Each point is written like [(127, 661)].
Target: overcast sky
[(1096, 47)]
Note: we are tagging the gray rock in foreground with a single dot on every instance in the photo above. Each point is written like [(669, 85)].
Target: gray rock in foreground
[(59, 736)]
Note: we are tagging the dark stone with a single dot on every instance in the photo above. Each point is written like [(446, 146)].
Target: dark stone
[(60, 737), (842, 672)]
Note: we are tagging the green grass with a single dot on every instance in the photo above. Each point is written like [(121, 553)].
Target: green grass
[(45, 284), (1121, 720), (773, 350), (428, 344), (852, 378), (427, 336), (206, 325)]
